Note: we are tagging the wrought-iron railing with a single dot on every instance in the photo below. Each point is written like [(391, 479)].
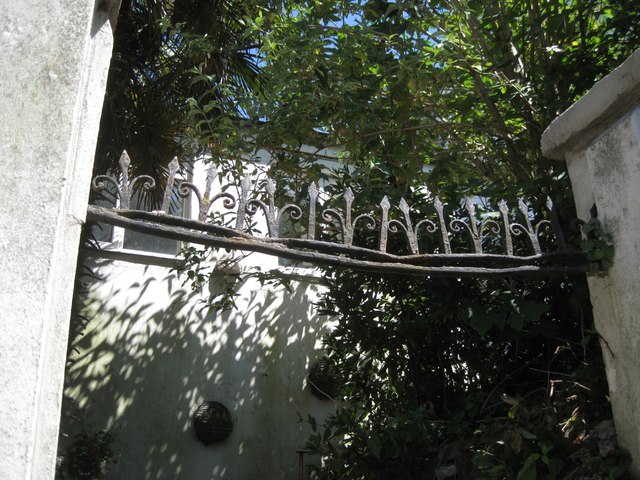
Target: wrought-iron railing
[(330, 234)]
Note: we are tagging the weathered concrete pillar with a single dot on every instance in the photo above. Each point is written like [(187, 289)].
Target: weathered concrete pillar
[(54, 59), (599, 137)]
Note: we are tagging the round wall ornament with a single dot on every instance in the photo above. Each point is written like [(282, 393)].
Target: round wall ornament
[(212, 422)]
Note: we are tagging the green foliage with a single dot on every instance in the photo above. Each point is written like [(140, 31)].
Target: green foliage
[(464, 86), (598, 245), (88, 456), (510, 312), (223, 276), (498, 380), (377, 447), (173, 60)]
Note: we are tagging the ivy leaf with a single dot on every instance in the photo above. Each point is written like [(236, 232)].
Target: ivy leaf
[(375, 445), (517, 323), (527, 312), (529, 470), (532, 311), (485, 322)]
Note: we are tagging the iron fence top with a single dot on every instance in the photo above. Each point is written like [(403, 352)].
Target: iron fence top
[(463, 242)]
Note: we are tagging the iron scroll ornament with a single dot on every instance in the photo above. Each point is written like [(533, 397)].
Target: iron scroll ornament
[(448, 258)]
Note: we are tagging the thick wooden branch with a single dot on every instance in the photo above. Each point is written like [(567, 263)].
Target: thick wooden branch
[(336, 255)]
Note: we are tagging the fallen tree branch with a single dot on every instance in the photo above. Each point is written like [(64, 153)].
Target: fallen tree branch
[(341, 256)]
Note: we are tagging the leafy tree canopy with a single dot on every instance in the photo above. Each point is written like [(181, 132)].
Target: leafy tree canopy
[(160, 47), (466, 87)]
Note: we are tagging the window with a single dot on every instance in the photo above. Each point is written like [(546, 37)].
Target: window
[(118, 238), (133, 240)]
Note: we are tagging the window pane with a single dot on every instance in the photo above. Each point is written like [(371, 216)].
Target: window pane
[(149, 243), (153, 243)]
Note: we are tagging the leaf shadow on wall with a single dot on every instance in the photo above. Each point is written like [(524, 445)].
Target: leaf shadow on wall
[(151, 354)]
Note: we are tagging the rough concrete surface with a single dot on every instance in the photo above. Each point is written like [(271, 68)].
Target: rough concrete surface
[(54, 60), (609, 99)]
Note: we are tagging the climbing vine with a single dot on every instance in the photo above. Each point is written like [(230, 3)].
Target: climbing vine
[(598, 246)]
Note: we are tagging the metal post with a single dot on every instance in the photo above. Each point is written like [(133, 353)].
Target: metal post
[(300, 463)]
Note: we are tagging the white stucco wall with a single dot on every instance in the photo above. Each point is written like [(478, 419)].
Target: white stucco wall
[(54, 58), (599, 137), (153, 353)]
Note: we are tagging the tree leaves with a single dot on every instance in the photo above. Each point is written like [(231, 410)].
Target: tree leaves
[(514, 313)]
